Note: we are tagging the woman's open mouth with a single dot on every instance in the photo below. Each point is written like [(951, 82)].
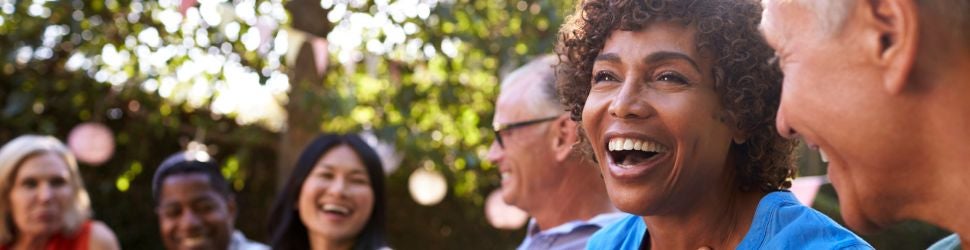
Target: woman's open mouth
[(335, 211), (629, 152)]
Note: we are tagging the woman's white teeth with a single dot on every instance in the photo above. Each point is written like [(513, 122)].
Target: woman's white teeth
[(336, 209), (193, 241), (619, 144)]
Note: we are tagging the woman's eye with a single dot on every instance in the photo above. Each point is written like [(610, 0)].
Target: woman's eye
[(58, 182), (603, 76), (671, 77), (30, 183), (362, 181)]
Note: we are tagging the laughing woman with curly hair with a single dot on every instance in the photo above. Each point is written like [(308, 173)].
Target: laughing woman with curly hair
[(677, 99)]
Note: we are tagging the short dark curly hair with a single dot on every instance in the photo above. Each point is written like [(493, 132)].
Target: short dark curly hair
[(749, 85)]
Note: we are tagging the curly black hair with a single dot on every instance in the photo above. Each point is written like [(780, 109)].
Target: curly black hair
[(749, 85)]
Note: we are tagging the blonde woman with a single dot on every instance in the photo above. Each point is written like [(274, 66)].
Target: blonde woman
[(43, 201)]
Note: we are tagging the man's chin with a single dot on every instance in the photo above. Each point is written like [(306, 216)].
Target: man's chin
[(862, 223), (508, 199)]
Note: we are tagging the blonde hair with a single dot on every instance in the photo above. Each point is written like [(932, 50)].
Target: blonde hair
[(12, 156)]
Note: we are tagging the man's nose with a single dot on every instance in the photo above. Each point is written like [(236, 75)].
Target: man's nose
[(781, 124), (495, 153), (190, 221)]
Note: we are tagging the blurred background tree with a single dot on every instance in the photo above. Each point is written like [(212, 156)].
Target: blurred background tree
[(254, 80)]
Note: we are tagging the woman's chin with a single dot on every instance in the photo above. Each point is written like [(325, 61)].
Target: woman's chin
[(43, 228), (630, 201)]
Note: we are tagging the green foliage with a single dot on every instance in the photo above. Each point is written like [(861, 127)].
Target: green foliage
[(67, 62), (445, 98), (437, 107)]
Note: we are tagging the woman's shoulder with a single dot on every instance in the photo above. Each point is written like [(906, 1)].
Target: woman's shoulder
[(782, 222), (627, 233), (102, 237)]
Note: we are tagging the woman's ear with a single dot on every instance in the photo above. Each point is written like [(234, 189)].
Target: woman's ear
[(738, 136), (739, 140)]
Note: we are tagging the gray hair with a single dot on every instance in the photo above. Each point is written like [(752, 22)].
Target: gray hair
[(548, 96), (831, 14), (12, 156), (955, 14)]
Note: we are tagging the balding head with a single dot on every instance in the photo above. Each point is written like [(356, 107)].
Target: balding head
[(536, 82)]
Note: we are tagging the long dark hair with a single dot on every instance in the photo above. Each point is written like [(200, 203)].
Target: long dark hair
[(286, 228)]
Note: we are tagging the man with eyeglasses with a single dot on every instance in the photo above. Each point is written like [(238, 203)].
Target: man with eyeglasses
[(538, 151)]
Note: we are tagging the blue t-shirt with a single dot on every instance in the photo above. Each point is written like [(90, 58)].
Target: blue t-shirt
[(780, 222)]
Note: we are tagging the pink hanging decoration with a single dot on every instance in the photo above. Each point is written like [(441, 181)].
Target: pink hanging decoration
[(92, 143), (320, 53), (806, 187), (502, 215), (185, 5)]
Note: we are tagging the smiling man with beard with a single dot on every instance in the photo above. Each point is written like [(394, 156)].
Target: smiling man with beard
[(196, 209)]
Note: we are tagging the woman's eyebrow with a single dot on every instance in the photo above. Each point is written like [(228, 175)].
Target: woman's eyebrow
[(608, 57), (660, 56), (358, 171), (332, 166)]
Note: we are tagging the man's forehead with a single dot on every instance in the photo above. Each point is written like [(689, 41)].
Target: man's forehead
[(191, 184), (517, 91), (510, 105), (189, 196)]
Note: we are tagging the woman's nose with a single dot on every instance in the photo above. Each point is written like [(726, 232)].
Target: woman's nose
[(338, 187), (45, 193), (629, 102)]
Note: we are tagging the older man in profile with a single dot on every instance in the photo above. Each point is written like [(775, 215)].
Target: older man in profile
[(544, 171), (882, 89)]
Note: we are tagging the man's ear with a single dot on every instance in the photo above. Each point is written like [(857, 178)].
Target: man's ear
[(897, 23), (567, 133), (231, 205)]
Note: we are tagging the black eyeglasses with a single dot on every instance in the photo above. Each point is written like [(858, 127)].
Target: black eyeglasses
[(498, 127)]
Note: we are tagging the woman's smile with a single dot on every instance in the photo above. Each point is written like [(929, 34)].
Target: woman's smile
[(631, 156)]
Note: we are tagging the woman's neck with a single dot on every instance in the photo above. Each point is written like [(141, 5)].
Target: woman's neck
[(717, 220), (318, 242), (26, 241)]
